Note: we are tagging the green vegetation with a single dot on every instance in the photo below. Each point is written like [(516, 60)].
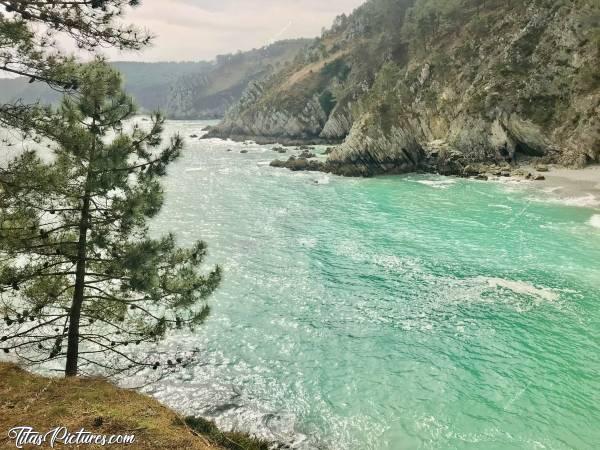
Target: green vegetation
[(25, 51), (337, 69), (461, 72), (148, 83), (80, 280), (327, 101)]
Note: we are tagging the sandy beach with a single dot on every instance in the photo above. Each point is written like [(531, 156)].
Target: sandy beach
[(576, 187)]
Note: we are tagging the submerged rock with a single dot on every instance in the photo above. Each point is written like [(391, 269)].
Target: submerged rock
[(299, 164), (306, 154)]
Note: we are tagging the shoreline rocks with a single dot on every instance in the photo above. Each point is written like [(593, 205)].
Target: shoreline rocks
[(299, 164), (271, 140), (481, 172)]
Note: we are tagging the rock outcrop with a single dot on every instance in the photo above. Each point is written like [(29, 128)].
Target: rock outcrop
[(494, 83)]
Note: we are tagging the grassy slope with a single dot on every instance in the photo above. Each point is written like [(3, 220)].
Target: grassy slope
[(102, 408)]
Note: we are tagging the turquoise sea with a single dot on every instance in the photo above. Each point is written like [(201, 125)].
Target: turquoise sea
[(405, 312)]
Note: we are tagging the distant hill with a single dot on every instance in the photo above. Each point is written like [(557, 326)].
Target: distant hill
[(181, 90), (12, 89), (151, 83)]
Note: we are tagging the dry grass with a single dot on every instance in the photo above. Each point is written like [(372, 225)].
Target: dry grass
[(93, 404), (310, 69)]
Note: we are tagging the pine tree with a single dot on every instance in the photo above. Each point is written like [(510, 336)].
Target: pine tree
[(28, 51), (80, 278)]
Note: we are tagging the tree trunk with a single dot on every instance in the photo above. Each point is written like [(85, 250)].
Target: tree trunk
[(75, 313), (78, 294)]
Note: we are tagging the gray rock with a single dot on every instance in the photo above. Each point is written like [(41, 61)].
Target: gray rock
[(306, 154)]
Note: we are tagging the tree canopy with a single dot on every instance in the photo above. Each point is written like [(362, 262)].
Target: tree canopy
[(80, 278), (29, 32)]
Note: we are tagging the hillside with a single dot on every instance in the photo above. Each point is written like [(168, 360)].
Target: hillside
[(209, 94), (103, 409), (438, 85), (181, 90), (149, 83)]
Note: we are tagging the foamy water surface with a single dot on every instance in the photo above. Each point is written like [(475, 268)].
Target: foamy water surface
[(414, 312)]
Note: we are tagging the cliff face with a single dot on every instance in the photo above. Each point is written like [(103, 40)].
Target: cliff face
[(312, 99), (440, 84)]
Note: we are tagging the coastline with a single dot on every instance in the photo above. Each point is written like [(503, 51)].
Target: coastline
[(572, 186), (579, 187), (213, 133)]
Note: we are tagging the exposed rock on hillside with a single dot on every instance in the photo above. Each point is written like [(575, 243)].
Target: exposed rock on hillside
[(438, 85)]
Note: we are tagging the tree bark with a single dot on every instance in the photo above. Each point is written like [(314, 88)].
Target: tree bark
[(71, 368), (78, 294)]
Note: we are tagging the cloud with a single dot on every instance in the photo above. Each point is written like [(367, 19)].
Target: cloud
[(202, 29)]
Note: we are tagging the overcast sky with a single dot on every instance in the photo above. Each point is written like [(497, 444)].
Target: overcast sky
[(202, 29)]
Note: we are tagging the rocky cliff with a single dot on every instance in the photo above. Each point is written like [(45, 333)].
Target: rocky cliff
[(439, 85)]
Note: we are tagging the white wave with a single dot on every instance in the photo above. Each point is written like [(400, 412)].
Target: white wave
[(501, 207), (595, 221), (587, 200), (551, 190), (323, 180), (437, 184), (510, 181), (522, 287), (584, 201), (193, 169)]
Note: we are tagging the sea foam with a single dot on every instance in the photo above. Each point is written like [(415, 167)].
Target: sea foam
[(523, 287), (583, 201), (437, 184), (595, 221)]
